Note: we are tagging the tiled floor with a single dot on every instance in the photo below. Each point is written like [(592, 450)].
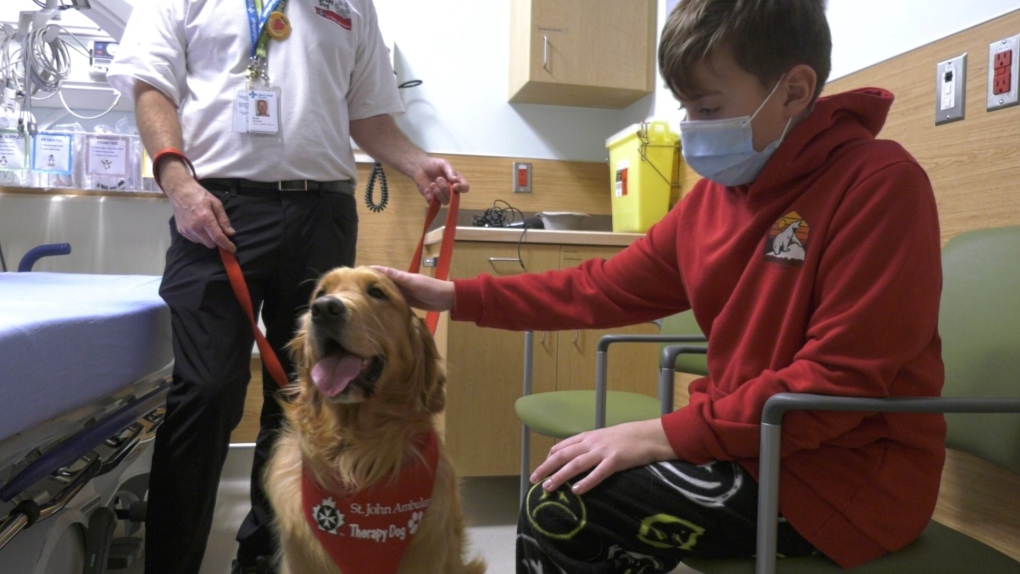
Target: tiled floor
[(489, 503)]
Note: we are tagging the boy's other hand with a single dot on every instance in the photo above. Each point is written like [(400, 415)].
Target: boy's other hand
[(604, 452)]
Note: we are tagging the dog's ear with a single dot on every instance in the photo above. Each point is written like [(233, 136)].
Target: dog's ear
[(431, 374)]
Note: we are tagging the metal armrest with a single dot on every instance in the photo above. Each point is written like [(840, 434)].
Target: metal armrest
[(602, 364), (771, 432), (666, 371)]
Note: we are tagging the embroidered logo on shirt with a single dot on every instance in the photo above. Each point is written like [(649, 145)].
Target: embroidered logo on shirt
[(341, 14), (788, 240)]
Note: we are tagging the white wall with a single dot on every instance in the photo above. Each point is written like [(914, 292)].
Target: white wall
[(459, 48), (866, 32)]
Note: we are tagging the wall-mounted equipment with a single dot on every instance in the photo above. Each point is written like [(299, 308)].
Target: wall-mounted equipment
[(1003, 69), (100, 57), (950, 90)]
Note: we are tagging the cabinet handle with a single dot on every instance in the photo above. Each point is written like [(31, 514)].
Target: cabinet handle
[(545, 53), (577, 335), (508, 260), (429, 261)]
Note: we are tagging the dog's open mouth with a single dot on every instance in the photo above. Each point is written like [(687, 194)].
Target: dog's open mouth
[(338, 369)]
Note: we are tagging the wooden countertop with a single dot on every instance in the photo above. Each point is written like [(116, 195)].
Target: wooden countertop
[(504, 235)]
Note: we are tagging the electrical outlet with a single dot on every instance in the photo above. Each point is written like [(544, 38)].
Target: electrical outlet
[(522, 177), (1003, 72), (950, 90)]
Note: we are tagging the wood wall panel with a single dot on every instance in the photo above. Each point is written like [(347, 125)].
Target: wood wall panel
[(974, 164), (974, 167), (389, 237)]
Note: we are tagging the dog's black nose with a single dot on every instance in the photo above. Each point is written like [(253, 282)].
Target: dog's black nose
[(327, 310)]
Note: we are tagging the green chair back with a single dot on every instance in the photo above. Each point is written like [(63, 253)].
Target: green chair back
[(684, 324), (979, 322)]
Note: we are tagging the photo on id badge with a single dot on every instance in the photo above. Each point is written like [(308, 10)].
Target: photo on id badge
[(263, 111)]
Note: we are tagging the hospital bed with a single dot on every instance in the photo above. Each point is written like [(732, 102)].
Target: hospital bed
[(85, 364)]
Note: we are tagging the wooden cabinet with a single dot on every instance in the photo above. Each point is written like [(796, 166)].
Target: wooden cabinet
[(485, 366), (587, 53)]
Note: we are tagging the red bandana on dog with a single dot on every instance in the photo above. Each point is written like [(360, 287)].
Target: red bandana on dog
[(370, 530)]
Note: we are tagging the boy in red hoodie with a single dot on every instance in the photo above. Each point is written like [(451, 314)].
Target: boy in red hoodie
[(810, 256)]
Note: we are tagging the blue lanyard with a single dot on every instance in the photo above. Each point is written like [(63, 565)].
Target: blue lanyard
[(257, 22)]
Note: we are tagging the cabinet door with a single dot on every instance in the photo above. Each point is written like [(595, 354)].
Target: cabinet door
[(590, 42), (594, 53), (485, 369), (632, 366)]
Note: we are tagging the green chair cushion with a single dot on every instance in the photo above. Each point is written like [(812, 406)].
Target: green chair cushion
[(939, 550), (562, 414)]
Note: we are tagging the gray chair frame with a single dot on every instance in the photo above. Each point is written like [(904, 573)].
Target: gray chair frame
[(665, 382), (771, 433)]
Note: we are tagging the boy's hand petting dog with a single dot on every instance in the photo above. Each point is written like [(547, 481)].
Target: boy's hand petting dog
[(603, 452), (421, 291)]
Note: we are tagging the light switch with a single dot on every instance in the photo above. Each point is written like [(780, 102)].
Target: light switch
[(1003, 70), (950, 89)]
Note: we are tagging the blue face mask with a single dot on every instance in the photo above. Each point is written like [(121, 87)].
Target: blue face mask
[(722, 150)]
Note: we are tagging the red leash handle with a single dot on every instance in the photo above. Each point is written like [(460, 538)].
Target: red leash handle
[(269, 358), (445, 249)]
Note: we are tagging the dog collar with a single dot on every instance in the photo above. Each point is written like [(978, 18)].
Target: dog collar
[(369, 530)]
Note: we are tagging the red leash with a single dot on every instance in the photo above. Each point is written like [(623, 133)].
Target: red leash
[(269, 358), (445, 249)]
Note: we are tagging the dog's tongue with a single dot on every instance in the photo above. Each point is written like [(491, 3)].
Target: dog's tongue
[(332, 374)]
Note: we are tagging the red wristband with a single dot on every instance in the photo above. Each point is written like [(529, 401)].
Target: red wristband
[(170, 152)]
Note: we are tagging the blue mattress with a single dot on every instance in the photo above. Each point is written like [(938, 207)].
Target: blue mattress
[(68, 340)]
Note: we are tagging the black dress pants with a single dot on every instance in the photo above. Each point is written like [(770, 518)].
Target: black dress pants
[(285, 241)]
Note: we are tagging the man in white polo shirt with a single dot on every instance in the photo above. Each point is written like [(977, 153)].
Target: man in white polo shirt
[(275, 185)]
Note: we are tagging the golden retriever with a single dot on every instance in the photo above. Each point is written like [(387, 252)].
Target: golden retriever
[(369, 383)]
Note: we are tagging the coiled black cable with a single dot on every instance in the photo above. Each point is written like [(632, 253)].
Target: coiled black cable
[(384, 190), (497, 216)]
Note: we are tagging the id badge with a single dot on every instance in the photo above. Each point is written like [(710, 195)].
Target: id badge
[(263, 110)]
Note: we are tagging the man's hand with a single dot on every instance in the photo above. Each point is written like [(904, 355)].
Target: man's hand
[(604, 452), (437, 178), (199, 215)]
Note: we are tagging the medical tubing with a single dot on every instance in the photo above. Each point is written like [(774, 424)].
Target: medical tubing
[(75, 446), (47, 69)]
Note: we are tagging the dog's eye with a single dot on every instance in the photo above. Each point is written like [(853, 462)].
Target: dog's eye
[(377, 293), (319, 293)]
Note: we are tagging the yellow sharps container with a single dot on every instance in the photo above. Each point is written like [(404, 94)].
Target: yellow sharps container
[(643, 172)]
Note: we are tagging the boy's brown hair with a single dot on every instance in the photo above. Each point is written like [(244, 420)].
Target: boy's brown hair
[(767, 38)]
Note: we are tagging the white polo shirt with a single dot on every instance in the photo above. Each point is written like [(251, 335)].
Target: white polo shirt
[(333, 68)]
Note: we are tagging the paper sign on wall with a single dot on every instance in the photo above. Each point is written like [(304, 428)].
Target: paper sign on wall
[(51, 153), (13, 151), (106, 155)]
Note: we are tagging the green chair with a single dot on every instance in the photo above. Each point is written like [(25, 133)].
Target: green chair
[(561, 414), (979, 322)]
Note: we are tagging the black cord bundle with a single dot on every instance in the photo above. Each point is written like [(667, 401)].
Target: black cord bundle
[(377, 171), (497, 216)]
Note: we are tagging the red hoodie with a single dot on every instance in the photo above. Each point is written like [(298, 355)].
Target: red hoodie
[(822, 276)]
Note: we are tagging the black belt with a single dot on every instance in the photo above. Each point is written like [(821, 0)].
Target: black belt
[(241, 185)]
